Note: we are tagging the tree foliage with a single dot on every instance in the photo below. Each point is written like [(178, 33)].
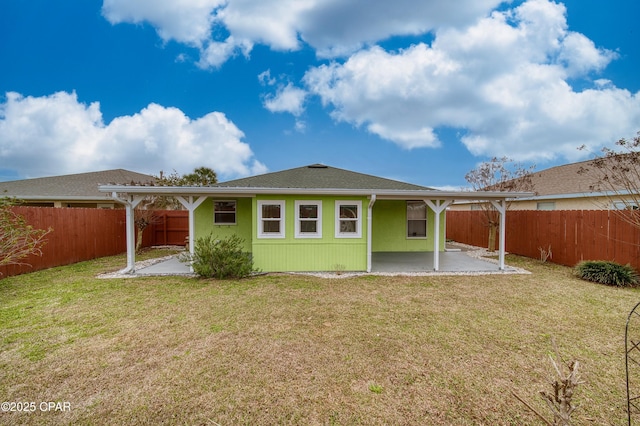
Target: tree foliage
[(201, 176), (616, 174), (499, 174), (18, 239)]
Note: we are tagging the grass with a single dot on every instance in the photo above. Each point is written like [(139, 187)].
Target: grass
[(280, 349)]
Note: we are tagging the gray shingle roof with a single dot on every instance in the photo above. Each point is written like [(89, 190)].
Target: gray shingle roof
[(566, 179), (320, 176), (71, 186)]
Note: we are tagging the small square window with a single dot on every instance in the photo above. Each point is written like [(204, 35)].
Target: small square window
[(224, 212)]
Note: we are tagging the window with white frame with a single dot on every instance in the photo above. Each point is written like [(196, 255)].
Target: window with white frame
[(416, 219), (308, 219), (270, 219), (224, 212), (546, 205), (348, 219)]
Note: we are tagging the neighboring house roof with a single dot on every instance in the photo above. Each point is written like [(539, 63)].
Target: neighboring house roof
[(81, 186), (574, 180), (319, 176), (565, 179)]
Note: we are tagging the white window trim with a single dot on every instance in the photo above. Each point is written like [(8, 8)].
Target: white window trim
[(546, 205), (280, 234), (358, 233), (235, 213), (426, 222), (318, 233)]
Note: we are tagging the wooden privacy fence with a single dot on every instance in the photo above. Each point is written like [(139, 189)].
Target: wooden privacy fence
[(78, 234), (572, 235), (82, 234), (170, 227)]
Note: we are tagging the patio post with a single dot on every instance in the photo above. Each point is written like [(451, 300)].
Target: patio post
[(130, 204), (191, 205), (372, 201), (438, 206), (501, 206)]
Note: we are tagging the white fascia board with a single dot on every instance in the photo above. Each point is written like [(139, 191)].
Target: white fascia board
[(250, 192), (577, 195)]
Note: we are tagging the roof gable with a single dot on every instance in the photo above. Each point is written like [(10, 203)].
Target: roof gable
[(319, 176)]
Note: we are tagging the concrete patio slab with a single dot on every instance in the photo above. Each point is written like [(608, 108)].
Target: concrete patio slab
[(465, 261), (170, 266), (450, 261)]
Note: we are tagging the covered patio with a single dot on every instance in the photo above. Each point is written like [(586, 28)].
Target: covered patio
[(453, 261)]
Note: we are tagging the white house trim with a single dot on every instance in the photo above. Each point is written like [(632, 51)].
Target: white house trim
[(501, 206), (438, 206), (191, 204)]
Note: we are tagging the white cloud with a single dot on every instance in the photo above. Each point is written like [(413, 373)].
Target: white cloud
[(287, 99), (503, 80), (187, 21), (57, 134), (221, 28)]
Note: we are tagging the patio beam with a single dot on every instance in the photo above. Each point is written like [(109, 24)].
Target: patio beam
[(438, 206)]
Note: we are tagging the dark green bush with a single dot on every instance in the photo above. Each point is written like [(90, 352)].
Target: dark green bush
[(609, 273), (221, 258)]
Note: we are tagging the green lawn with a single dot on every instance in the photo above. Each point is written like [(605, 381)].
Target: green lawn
[(290, 349)]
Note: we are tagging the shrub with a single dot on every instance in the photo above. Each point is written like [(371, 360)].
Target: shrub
[(609, 273), (221, 258)]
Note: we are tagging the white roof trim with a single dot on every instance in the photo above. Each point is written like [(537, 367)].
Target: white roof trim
[(248, 192)]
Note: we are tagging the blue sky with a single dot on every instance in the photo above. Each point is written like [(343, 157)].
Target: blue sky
[(415, 91)]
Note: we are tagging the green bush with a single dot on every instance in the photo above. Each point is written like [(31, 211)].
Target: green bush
[(609, 273), (221, 258)]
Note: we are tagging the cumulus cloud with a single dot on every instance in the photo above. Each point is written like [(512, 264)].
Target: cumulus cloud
[(287, 99), (57, 134), (223, 28), (502, 80), (184, 21)]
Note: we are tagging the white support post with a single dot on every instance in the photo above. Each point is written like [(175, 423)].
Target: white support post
[(501, 206), (130, 203), (191, 205), (438, 206), (372, 201)]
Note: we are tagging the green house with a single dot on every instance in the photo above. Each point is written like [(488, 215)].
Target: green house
[(315, 218)]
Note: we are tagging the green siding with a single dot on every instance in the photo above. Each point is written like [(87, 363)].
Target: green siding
[(318, 254), (310, 254), (389, 228), (204, 221)]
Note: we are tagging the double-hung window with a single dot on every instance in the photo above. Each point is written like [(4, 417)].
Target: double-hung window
[(416, 219), (224, 212), (308, 219), (270, 219), (348, 219)]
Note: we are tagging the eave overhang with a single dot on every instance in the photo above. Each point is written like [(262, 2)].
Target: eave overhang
[(214, 191)]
